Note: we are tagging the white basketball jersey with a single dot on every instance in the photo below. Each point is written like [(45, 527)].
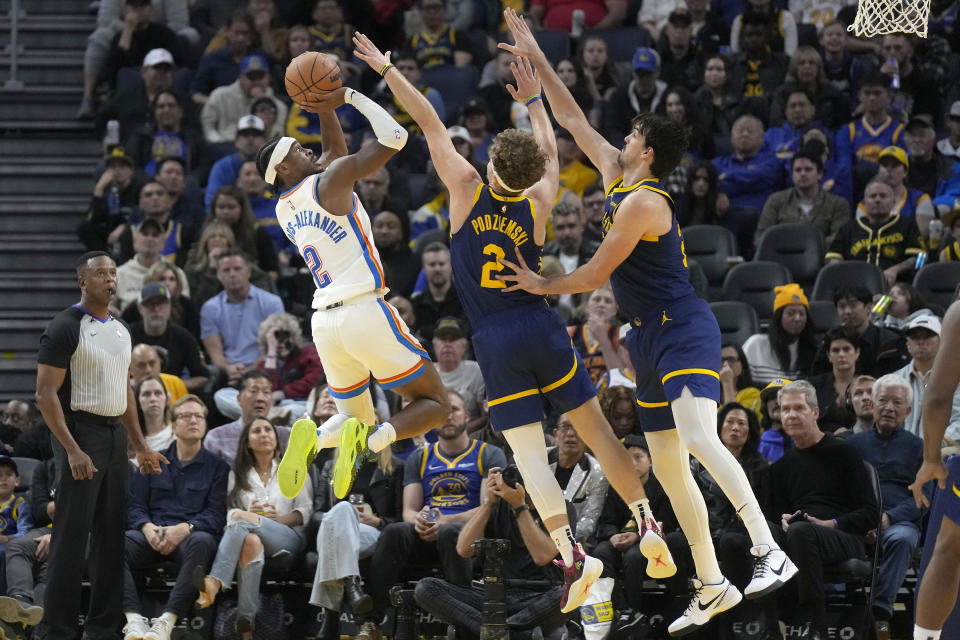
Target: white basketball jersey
[(338, 249)]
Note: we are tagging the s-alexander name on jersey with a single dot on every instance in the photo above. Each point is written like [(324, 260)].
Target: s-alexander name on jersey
[(318, 220)]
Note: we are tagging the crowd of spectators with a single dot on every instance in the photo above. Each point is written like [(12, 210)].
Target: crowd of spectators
[(791, 120)]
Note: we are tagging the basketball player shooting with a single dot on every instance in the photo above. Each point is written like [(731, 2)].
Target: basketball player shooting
[(674, 342), (355, 331), (522, 346)]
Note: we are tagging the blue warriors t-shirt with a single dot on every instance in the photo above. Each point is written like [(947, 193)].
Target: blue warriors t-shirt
[(496, 227), (655, 273), (10, 514), (452, 485)]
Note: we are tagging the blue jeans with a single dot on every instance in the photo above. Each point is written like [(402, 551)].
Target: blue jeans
[(276, 538), (896, 552)]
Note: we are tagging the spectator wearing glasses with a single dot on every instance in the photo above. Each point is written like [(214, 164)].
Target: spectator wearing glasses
[(178, 515)]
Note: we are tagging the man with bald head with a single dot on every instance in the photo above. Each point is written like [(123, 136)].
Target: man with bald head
[(747, 178), (145, 360)]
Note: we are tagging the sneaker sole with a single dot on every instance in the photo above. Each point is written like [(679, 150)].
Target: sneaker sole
[(301, 450), (727, 604), (773, 586), (353, 439), (14, 611), (592, 568), (654, 549)]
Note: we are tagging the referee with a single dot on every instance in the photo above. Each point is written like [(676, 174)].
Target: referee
[(84, 394)]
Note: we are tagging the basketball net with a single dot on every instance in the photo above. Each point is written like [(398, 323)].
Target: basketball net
[(878, 17)]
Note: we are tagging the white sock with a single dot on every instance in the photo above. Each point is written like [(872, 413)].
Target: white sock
[(328, 434), (705, 560), (169, 617), (641, 510), (919, 633), (382, 438), (133, 617), (563, 537)]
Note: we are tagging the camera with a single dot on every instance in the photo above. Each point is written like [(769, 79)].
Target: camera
[(282, 335), (511, 476)]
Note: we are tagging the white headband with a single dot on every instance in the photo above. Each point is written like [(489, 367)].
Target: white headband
[(279, 153), (500, 180)]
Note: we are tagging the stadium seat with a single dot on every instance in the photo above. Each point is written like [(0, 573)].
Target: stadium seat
[(710, 246), (555, 43), (738, 321), (455, 85), (753, 283), (822, 316), (798, 247), (845, 274), (477, 39), (621, 42), (937, 282), (859, 574)]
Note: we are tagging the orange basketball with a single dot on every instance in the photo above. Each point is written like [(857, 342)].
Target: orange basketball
[(311, 72)]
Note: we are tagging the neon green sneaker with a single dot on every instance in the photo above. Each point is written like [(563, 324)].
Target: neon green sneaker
[(353, 453), (301, 450)]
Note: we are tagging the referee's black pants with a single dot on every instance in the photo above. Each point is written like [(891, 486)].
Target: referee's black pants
[(90, 522)]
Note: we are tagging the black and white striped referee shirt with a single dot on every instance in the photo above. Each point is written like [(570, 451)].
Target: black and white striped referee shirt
[(96, 354)]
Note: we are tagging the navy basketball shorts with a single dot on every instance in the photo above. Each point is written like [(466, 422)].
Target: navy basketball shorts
[(675, 346), (952, 508), (525, 355)]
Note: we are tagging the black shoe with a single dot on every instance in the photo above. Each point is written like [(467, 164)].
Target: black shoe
[(330, 627), (243, 625), (359, 602), (627, 624)]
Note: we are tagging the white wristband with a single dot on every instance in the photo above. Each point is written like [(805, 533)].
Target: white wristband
[(388, 132)]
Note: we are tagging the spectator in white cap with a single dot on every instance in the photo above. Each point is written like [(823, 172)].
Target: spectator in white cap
[(949, 147), (229, 103), (250, 135), (923, 343), (113, 18), (130, 104)]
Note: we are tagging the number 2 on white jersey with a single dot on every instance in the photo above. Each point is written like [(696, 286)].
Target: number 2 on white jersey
[(320, 277)]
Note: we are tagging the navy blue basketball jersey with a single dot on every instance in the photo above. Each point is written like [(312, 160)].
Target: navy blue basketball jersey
[(655, 272), (452, 486), (496, 227)]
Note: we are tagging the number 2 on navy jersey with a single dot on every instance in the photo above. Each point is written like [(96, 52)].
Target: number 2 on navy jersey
[(492, 266), (315, 264)]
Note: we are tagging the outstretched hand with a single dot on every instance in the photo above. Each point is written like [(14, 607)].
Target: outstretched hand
[(523, 277), (525, 44), (327, 101), (528, 83), (369, 53)]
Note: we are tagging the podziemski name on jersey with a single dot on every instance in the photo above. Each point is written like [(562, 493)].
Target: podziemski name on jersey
[(315, 219)]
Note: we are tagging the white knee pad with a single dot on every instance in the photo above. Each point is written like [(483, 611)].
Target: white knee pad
[(696, 420), (530, 454)]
